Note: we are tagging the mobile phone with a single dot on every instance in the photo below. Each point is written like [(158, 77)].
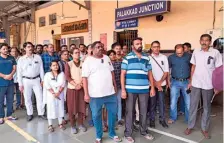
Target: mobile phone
[(188, 91)]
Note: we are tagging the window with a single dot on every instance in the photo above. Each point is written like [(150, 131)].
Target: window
[(42, 21), (52, 19), (76, 40)]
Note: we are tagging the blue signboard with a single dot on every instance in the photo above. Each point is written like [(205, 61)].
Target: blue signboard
[(142, 9), (126, 24), (2, 35)]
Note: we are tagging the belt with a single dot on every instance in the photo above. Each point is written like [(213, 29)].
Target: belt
[(31, 77), (180, 79)]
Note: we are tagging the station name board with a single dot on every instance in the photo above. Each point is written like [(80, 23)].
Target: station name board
[(74, 27)]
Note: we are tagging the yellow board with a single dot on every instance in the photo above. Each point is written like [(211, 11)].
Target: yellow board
[(147, 46)]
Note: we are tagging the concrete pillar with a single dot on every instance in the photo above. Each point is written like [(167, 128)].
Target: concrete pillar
[(90, 21), (6, 28)]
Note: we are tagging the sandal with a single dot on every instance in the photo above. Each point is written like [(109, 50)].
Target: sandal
[(116, 139), (1, 121), (170, 121), (51, 128), (148, 137), (61, 126), (11, 118), (129, 139)]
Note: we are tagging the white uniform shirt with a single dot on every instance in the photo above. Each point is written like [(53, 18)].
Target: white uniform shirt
[(15, 74), (205, 63), (30, 67), (156, 70), (98, 74)]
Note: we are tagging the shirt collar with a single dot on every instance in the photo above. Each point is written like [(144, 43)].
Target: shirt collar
[(209, 49), (26, 56), (153, 55)]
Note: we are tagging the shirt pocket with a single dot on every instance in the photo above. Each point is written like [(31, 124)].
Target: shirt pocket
[(210, 62)]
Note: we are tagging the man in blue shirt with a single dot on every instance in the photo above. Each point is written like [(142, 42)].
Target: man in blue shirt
[(7, 70), (136, 77), (49, 56), (180, 74)]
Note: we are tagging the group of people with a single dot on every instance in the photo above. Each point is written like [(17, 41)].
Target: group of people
[(115, 85)]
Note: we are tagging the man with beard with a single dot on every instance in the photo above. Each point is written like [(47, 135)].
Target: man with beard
[(30, 75), (160, 69), (100, 87), (39, 49), (7, 70), (82, 49), (204, 61), (136, 77)]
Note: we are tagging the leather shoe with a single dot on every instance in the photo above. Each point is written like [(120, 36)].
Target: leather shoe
[(29, 117), (43, 117), (163, 123), (152, 124), (205, 134)]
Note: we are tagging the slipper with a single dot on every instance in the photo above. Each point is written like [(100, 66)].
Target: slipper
[(11, 118), (116, 139)]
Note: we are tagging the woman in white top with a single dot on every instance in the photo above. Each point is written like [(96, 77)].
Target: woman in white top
[(54, 82)]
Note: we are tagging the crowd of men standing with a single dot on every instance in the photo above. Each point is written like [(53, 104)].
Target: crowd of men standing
[(128, 87)]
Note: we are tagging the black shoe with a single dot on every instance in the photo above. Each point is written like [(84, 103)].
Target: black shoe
[(29, 117), (135, 128), (137, 122), (43, 117), (163, 123), (152, 124)]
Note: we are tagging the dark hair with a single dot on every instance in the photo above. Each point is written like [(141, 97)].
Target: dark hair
[(110, 51), (187, 44), (72, 51), (15, 49), (82, 45), (56, 61), (63, 51), (90, 45), (4, 44), (94, 43), (39, 45), (155, 42), (27, 43), (72, 45), (114, 45), (45, 45), (64, 46), (218, 44), (138, 38), (206, 35), (179, 45)]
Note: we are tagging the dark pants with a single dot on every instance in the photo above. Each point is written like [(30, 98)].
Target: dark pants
[(130, 107), (160, 96), (18, 95), (8, 92)]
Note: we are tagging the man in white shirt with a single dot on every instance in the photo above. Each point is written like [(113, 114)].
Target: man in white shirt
[(30, 74), (204, 61), (160, 69), (100, 86)]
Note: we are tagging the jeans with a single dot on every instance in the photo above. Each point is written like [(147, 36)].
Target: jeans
[(119, 112), (8, 92), (153, 102), (176, 88), (110, 103), (18, 95), (182, 104)]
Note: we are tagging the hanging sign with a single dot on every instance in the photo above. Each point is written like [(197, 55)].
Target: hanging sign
[(131, 23)]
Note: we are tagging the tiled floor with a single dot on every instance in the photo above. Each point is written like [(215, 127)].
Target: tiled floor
[(37, 128)]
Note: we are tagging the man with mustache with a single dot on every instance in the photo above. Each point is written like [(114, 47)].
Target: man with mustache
[(30, 75), (160, 69), (100, 87), (136, 77), (204, 61)]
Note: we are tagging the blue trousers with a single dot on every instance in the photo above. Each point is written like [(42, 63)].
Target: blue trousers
[(176, 88), (18, 95), (110, 103), (8, 92)]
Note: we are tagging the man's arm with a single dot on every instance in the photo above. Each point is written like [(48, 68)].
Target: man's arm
[(192, 73), (114, 81), (123, 73), (2, 75), (151, 80)]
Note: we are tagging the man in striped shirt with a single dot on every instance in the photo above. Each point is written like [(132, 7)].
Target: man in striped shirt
[(136, 77)]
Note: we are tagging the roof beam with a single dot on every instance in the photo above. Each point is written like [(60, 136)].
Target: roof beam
[(80, 5), (23, 4)]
